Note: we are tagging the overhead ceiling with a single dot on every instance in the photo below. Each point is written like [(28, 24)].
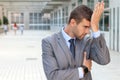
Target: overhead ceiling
[(32, 5)]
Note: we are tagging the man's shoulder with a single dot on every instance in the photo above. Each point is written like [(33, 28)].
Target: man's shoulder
[(51, 37)]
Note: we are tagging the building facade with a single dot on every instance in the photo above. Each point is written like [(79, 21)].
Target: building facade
[(115, 25), (32, 17), (59, 16)]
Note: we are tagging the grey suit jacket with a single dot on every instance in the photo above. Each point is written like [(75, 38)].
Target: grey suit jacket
[(58, 62)]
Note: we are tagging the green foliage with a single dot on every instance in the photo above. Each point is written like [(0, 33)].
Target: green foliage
[(5, 20)]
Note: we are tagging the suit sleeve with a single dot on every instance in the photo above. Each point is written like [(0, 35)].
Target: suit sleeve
[(97, 50), (51, 68)]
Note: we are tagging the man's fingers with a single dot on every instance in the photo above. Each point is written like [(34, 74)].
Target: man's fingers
[(96, 6), (87, 62), (99, 6), (98, 10)]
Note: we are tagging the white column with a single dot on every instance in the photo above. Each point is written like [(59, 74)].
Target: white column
[(111, 6), (112, 28), (115, 29), (26, 20), (119, 28), (110, 35), (9, 19)]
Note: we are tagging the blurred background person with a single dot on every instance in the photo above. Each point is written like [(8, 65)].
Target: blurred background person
[(21, 29), (5, 27), (15, 28)]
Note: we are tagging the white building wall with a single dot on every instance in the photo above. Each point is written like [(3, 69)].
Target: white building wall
[(9, 19), (115, 29), (115, 4), (119, 29)]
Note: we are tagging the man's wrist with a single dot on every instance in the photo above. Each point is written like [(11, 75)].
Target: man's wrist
[(85, 69), (96, 34)]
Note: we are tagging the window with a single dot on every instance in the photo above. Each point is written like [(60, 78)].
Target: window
[(73, 5), (91, 4), (38, 21), (104, 21), (106, 3), (79, 2), (31, 18), (17, 17)]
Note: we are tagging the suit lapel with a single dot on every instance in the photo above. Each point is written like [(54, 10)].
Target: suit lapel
[(63, 45)]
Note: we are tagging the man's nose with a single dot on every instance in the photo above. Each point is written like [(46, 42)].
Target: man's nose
[(87, 31)]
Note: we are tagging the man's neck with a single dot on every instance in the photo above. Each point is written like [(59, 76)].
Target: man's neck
[(68, 30)]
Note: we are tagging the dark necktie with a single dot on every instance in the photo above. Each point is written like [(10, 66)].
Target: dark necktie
[(72, 47)]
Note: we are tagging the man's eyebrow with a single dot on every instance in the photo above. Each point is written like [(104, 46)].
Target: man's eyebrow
[(87, 26)]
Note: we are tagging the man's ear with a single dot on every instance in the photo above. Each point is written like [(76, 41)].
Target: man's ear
[(72, 22)]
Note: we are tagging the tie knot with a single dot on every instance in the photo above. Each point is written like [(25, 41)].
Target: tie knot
[(71, 40)]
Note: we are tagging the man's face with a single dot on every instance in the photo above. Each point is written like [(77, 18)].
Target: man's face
[(81, 29)]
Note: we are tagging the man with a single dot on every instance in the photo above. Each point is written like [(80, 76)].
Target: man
[(5, 27), (66, 59), (21, 29)]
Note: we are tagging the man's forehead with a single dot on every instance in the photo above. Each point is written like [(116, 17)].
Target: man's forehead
[(85, 22)]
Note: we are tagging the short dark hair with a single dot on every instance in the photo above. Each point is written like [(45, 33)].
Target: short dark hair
[(81, 12)]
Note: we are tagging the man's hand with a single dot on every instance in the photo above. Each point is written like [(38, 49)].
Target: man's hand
[(98, 10), (86, 62)]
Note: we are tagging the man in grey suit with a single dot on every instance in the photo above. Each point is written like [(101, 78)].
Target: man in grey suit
[(67, 55)]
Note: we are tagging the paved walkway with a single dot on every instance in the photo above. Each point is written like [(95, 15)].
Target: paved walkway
[(20, 58)]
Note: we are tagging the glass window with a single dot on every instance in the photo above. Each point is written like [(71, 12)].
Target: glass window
[(66, 11), (91, 4), (110, 25), (104, 21), (31, 18), (106, 3), (17, 17), (79, 2), (35, 18), (38, 20), (73, 5), (21, 18)]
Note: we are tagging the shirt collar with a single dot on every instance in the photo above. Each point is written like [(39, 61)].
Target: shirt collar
[(65, 35)]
